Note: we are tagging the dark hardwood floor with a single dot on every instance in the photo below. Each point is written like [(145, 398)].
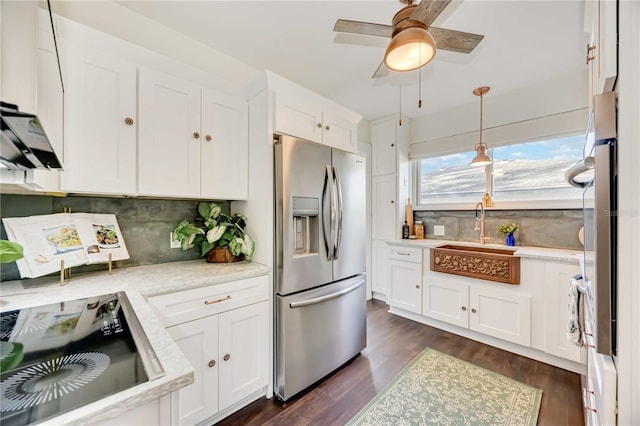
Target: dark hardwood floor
[(392, 342)]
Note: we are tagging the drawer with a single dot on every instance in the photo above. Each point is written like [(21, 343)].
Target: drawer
[(188, 305), (407, 254), (599, 398)]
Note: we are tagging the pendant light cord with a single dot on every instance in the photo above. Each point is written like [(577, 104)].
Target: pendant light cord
[(481, 96), (400, 106)]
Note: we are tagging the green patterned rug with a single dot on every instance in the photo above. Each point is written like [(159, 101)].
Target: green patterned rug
[(438, 389)]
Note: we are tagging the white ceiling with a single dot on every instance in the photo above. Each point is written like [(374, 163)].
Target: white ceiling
[(525, 42)]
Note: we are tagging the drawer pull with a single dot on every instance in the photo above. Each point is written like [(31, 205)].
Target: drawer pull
[(403, 254), (212, 363), (585, 405), (211, 302)]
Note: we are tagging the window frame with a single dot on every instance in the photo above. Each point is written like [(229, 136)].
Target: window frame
[(539, 204)]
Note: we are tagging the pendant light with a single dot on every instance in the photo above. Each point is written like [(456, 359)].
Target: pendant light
[(412, 45), (481, 158)]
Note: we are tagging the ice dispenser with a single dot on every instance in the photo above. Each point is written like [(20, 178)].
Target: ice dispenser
[(305, 225)]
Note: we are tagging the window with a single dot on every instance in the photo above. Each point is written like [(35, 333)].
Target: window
[(530, 171)]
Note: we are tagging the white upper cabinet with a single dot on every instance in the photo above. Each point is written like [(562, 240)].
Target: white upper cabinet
[(301, 113), (169, 140), (602, 55), (193, 141), (100, 123), (383, 139), (225, 150)]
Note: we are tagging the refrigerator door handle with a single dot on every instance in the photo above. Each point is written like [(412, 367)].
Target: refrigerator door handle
[(320, 299), (336, 251), (328, 186)]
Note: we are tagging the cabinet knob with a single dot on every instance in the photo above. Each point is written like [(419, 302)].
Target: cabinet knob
[(226, 357), (319, 125), (392, 201), (590, 48), (327, 127), (196, 135), (464, 308), (208, 138), (417, 286), (392, 145), (128, 121), (473, 310), (212, 363)]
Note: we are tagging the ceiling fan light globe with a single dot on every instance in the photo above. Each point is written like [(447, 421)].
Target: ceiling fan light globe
[(410, 49)]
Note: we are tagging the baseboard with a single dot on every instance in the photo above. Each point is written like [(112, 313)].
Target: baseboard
[(235, 407), (495, 342), (379, 296)]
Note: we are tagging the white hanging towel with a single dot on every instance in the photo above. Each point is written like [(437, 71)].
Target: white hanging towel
[(575, 325)]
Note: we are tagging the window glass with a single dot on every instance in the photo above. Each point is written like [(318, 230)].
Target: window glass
[(528, 171), (450, 178), (535, 170)]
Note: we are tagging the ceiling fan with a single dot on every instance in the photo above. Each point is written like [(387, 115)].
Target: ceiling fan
[(412, 33)]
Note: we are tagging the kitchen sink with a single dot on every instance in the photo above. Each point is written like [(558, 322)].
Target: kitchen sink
[(485, 263)]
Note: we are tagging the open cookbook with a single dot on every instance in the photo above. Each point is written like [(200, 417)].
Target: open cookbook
[(76, 238)]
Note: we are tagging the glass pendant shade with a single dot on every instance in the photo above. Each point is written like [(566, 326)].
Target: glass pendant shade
[(410, 49)]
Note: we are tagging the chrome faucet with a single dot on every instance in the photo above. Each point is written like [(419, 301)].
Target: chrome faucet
[(480, 223)]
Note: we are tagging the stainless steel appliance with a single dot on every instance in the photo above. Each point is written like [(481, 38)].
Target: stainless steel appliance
[(57, 357), (320, 299), (597, 174)]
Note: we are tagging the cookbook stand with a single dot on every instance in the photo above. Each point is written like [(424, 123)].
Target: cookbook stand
[(65, 274)]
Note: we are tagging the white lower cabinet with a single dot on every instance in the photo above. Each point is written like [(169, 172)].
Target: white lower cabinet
[(379, 277), (405, 279), (486, 309), (228, 353), (223, 330)]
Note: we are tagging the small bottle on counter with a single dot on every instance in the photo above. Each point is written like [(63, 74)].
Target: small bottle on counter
[(419, 229), (405, 230), (487, 200)]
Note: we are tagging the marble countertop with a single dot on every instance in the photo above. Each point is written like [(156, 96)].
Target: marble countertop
[(521, 251), (139, 283)]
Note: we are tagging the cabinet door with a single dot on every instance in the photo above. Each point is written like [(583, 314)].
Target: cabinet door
[(295, 117), (100, 147), (446, 301), (225, 148), (50, 105), (379, 276), (383, 202), (500, 313), (169, 136), (405, 285), (243, 352), (198, 341), (556, 313), (338, 132), (384, 142)]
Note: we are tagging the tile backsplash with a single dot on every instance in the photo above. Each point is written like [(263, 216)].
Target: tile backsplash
[(539, 228), (145, 224)]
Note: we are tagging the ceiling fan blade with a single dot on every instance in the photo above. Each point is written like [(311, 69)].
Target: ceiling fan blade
[(382, 71), (366, 28), (428, 10), (455, 41)]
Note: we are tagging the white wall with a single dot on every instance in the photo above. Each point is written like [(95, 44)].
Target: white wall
[(566, 93)]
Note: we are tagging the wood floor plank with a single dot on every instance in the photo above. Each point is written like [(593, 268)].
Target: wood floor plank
[(392, 342)]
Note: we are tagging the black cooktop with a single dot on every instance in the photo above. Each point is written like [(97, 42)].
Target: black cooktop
[(58, 357)]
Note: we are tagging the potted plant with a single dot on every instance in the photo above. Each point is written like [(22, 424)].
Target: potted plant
[(10, 251), (216, 235), (508, 229)]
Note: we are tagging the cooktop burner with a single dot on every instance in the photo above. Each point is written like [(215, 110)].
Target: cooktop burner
[(51, 379), (58, 357)]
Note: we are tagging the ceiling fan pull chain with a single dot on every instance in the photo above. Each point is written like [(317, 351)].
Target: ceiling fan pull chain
[(400, 106), (419, 87)]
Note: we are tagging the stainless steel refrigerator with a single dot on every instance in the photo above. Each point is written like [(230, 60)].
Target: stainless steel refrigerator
[(320, 294)]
